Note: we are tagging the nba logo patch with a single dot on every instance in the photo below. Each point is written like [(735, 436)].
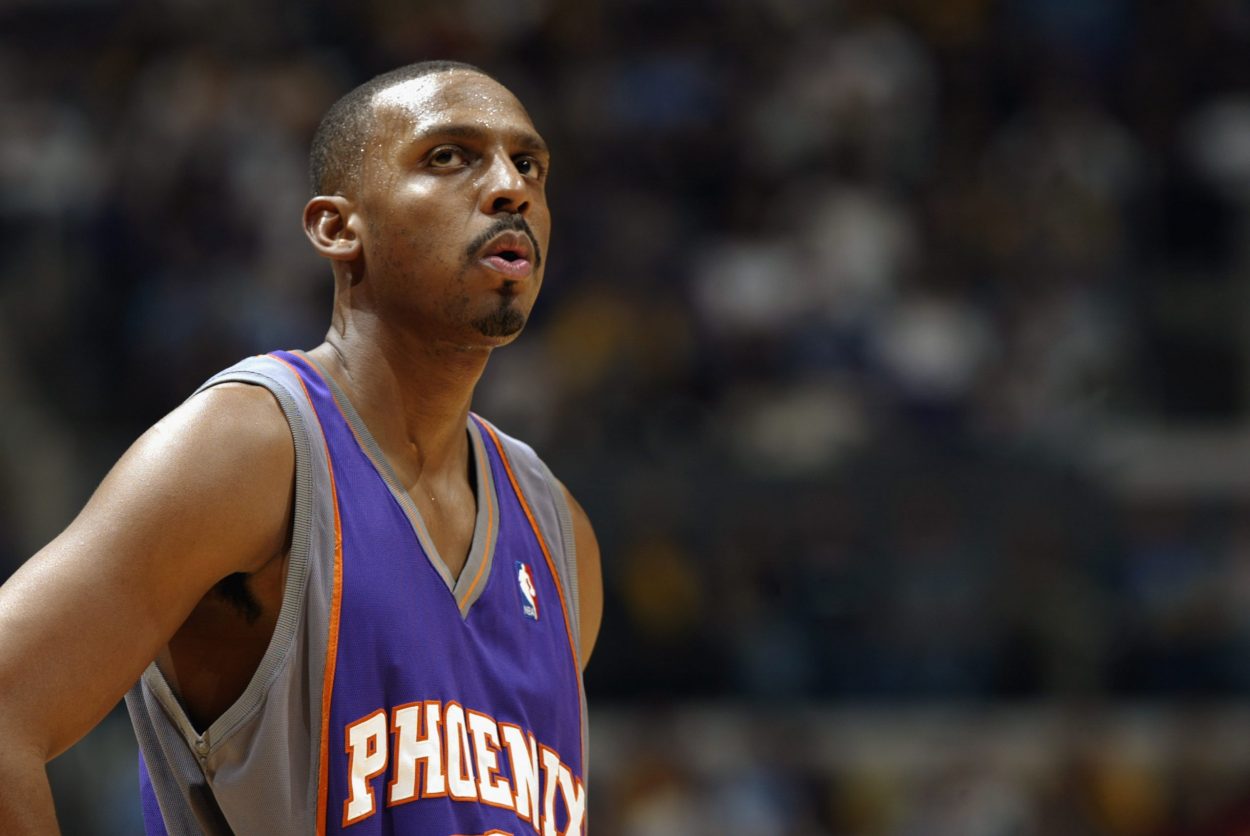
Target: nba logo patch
[(527, 589)]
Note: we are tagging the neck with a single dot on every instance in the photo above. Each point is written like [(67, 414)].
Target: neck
[(413, 395)]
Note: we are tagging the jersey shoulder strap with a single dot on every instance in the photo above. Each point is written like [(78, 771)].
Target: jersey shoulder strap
[(209, 782), (545, 497)]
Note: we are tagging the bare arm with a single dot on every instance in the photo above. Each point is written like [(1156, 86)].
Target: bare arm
[(203, 494), (589, 577)]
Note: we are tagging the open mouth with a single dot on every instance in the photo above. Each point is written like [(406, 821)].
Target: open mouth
[(509, 253), (510, 246), (508, 241)]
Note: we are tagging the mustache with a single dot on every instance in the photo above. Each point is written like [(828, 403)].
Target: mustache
[(509, 223)]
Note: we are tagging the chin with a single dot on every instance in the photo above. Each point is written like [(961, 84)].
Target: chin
[(505, 322)]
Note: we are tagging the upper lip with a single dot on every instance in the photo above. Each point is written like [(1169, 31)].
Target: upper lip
[(509, 242)]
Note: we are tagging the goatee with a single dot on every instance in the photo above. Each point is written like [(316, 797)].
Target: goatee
[(504, 321)]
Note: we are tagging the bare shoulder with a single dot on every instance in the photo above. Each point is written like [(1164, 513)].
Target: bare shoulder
[(203, 494), (228, 424), (589, 575), (224, 458), (232, 424)]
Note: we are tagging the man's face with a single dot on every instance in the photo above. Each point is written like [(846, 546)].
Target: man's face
[(453, 200)]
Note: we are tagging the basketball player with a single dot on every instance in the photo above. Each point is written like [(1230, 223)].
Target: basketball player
[(338, 600)]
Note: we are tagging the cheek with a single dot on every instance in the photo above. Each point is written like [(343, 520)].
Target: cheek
[(541, 225), (414, 233)]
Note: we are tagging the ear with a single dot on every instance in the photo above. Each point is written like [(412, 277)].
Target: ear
[(326, 225)]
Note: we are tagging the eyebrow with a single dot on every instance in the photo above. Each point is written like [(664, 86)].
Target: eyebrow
[(526, 140)]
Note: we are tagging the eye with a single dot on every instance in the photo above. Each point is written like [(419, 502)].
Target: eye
[(528, 166), (447, 156)]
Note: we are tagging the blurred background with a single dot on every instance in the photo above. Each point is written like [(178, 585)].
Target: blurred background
[(897, 349)]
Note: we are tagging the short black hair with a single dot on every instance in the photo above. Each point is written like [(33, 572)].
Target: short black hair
[(338, 144)]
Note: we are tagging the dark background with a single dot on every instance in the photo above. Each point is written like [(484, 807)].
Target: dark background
[(897, 350)]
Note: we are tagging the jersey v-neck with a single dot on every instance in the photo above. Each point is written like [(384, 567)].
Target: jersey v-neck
[(468, 586)]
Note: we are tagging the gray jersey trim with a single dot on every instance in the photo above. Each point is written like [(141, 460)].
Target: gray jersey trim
[(182, 792), (569, 552), (181, 770), (545, 497), (295, 585)]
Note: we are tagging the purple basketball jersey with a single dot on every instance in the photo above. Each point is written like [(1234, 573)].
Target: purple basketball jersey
[(393, 697), (451, 710)]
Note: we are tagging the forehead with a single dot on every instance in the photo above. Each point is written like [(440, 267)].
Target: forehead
[(453, 96)]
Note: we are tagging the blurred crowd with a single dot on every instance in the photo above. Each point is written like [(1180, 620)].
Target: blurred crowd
[(847, 303), (926, 772)]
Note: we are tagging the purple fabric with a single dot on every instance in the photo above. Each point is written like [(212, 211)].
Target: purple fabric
[(153, 824), (402, 639)]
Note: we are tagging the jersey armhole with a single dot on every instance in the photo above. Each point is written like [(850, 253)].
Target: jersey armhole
[(294, 584)]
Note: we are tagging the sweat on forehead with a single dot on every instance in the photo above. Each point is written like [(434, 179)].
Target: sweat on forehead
[(433, 93), (335, 157)]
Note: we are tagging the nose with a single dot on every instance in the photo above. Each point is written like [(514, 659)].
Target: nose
[(505, 189)]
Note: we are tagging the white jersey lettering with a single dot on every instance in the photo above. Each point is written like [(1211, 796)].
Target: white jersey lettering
[(574, 793), (491, 787), (366, 759), (418, 743), (523, 757), (442, 750), (460, 780), (551, 769)]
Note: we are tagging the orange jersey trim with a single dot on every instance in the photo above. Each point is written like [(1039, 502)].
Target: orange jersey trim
[(490, 532), (332, 641), (555, 576)]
